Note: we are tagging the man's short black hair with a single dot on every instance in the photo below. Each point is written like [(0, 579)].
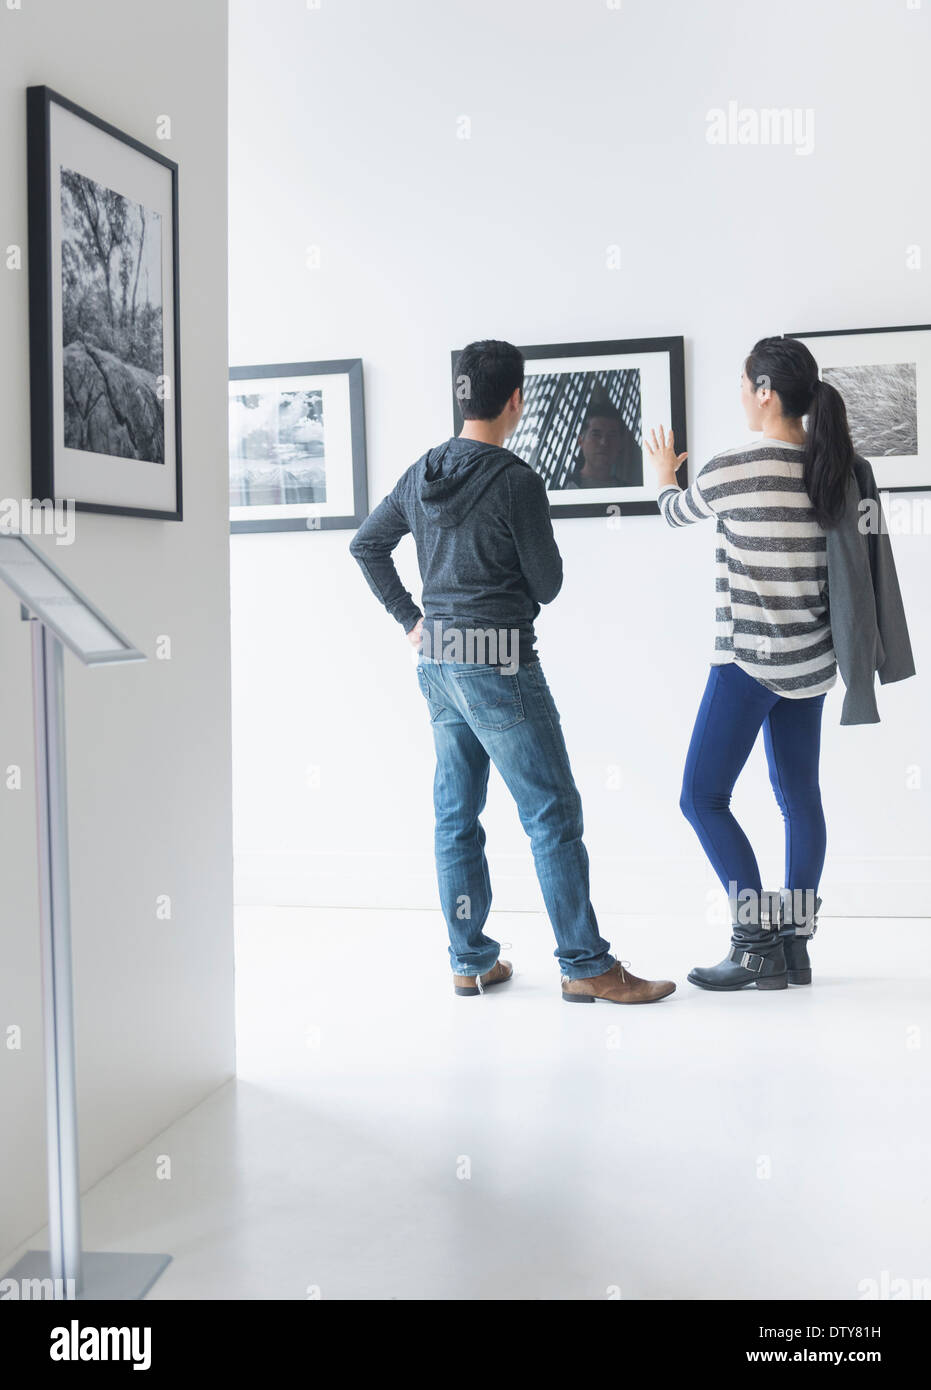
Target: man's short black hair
[(601, 409), (487, 375)]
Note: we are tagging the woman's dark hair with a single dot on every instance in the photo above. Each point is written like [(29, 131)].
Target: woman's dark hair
[(787, 367), (487, 375)]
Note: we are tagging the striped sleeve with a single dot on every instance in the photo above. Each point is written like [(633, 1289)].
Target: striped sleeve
[(681, 507)]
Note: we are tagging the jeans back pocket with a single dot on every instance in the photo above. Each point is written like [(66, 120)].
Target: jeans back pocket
[(494, 699)]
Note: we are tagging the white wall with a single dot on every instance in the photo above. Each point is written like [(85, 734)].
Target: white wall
[(149, 745), (588, 128)]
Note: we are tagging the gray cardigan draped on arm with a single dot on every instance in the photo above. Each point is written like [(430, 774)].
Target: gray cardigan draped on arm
[(867, 615)]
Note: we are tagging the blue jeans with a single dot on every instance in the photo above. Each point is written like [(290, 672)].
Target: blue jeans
[(733, 709), (481, 716)]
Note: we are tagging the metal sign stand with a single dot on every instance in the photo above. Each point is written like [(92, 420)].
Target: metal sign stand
[(64, 1271)]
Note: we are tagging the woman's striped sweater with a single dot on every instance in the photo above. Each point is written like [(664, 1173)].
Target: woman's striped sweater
[(771, 565)]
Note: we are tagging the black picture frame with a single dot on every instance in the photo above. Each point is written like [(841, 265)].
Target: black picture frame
[(675, 348), (351, 368), (877, 459), (46, 469)]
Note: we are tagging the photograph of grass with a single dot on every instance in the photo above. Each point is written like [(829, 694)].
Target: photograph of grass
[(882, 406), (884, 376)]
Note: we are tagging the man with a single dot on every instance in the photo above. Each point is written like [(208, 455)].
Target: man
[(610, 456), (488, 560)]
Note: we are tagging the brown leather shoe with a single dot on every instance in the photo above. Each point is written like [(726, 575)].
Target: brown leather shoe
[(617, 986), (476, 984)]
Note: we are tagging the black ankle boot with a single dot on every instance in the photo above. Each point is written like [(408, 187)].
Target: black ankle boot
[(756, 958), (795, 936)]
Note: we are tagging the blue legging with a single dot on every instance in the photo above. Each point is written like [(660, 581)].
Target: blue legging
[(733, 708)]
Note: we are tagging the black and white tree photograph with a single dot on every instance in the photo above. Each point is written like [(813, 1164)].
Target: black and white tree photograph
[(112, 338), (104, 313), (277, 452)]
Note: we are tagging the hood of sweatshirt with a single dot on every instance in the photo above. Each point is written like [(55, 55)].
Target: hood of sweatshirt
[(455, 476)]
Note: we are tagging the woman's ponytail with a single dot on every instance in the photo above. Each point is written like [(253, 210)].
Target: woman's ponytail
[(828, 453), (788, 368)]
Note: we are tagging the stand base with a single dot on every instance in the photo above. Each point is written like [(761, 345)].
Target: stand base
[(104, 1276)]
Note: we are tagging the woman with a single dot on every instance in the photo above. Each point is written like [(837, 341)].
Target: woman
[(787, 511)]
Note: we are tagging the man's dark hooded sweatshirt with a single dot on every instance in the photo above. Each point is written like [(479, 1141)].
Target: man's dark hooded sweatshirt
[(480, 519)]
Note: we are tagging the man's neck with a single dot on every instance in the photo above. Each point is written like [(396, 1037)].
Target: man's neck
[(484, 432)]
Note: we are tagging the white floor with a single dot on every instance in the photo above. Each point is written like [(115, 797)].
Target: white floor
[(386, 1139)]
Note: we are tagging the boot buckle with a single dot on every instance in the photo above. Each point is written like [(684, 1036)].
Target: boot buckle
[(745, 959)]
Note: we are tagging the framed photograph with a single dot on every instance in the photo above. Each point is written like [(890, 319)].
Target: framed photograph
[(297, 447), (884, 376), (585, 408), (104, 316)]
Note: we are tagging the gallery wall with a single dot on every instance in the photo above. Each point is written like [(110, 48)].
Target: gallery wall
[(405, 178), (148, 766)]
